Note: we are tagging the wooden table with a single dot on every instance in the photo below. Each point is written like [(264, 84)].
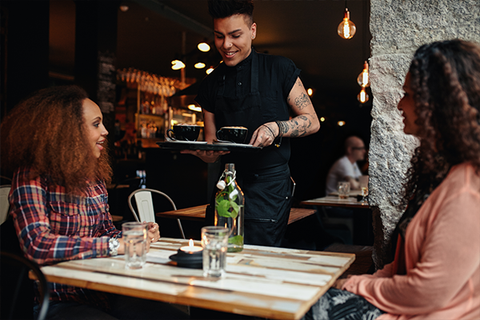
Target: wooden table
[(275, 283), (198, 213), (362, 219), (335, 201)]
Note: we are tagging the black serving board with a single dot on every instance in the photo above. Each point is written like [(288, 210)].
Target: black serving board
[(202, 145)]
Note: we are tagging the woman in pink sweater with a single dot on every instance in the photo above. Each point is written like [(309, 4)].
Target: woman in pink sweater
[(436, 270)]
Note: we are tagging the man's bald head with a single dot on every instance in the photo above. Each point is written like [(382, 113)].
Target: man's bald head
[(354, 149)]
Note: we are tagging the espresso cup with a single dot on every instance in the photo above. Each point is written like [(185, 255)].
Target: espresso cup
[(232, 134), (184, 132)]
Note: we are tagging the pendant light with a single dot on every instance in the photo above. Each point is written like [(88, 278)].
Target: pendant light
[(177, 65), (363, 96), (203, 46), (363, 78), (209, 70), (346, 29), (199, 65)]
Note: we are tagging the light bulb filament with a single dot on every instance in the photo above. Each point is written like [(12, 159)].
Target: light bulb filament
[(365, 76), (346, 28)]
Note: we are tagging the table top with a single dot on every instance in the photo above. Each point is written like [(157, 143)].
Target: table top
[(335, 201), (198, 213), (269, 282)]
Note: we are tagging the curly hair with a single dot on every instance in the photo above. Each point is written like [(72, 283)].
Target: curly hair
[(46, 132), (219, 9), (445, 79)]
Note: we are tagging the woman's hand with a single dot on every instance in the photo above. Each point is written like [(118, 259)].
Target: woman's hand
[(153, 232), (208, 156)]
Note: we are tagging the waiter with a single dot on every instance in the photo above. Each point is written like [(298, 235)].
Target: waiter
[(257, 91)]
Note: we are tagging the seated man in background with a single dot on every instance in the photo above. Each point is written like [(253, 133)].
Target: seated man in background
[(346, 168)]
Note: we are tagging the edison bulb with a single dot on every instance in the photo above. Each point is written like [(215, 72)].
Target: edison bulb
[(363, 96), (363, 78), (346, 29)]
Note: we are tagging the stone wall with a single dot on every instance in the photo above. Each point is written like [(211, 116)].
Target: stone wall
[(398, 28)]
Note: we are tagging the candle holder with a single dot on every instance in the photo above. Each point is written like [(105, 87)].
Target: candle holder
[(189, 257)]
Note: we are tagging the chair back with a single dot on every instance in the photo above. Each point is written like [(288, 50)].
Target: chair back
[(4, 204), (20, 286), (144, 203), (145, 206)]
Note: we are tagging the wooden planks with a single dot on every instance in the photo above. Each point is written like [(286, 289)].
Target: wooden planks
[(299, 213), (191, 213), (334, 201), (275, 283), (198, 213)]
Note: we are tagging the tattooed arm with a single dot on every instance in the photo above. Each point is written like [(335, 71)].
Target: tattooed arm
[(304, 123)]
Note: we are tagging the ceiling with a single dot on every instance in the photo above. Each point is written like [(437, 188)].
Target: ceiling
[(150, 36)]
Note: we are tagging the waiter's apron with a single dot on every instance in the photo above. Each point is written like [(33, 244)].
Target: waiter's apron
[(267, 191)]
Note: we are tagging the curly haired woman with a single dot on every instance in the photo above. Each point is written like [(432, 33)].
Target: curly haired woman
[(436, 270), (54, 144)]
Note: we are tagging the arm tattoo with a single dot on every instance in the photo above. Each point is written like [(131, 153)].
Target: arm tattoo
[(297, 126), (282, 127), (302, 101)]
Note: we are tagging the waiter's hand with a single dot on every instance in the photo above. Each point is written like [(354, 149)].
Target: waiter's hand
[(264, 135), (208, 156)]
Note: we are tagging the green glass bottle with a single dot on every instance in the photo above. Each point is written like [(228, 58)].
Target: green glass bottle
[(229, 208)]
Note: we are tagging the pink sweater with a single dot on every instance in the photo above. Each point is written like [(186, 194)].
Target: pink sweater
[(442, 255)]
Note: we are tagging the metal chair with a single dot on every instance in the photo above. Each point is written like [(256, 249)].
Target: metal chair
[(144, 202), (4, 204), (15, 271)]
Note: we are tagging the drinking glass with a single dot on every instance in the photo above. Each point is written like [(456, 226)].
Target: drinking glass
[(343, 189), (215, 244), (363, 180), (135, 239)]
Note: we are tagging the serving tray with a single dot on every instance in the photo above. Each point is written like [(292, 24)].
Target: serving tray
[(202, 145)]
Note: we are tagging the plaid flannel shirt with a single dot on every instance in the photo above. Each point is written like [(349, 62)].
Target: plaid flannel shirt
[(53, 226)]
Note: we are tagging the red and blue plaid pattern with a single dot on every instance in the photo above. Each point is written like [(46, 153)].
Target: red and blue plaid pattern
[(53, 226)]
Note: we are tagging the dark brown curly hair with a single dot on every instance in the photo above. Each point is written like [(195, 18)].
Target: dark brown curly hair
[(445, 78), (46, 132)]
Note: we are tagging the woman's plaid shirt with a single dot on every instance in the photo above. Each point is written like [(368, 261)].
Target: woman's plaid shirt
[(53, 226)]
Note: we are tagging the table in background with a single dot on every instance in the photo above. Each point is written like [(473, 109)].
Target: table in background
[(362, 215), (198, 213), (335, 201), (267, 282)]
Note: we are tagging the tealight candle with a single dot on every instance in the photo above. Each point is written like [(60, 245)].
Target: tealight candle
[(191, 248), (189, 256)]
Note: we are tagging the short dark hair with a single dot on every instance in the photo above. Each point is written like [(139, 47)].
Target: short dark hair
[(226, 8)]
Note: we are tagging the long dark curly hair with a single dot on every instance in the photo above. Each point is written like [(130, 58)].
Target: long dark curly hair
[(445, 78), (46, 133)]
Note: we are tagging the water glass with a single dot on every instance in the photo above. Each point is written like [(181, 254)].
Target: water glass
[(363, 180), (135, 239), (343, 189), (215, 244)]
